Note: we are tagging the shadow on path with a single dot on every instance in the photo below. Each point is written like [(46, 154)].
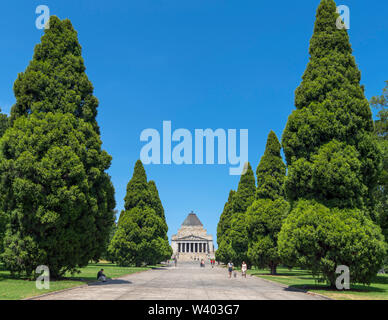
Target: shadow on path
[(111, 281)]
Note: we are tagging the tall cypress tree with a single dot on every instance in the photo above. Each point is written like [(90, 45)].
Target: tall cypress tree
[(55, 193), (271, 170), (54, 217), (223, 226), (55, 79), (234, 243), (333, 162), (265, 216), (138, 193), (246, 189), (156, 203), (225, 216), (329, 135), (141, 235)]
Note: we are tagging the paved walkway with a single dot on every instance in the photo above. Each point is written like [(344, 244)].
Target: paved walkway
[(187, 281)]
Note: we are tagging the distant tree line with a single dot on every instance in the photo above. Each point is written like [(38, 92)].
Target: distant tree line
[(330, 208)]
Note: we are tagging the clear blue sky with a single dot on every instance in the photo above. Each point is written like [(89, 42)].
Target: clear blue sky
[(201, 64)]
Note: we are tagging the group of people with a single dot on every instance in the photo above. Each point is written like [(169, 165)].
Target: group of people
[(212, 262), (244, 269), (102, 277)]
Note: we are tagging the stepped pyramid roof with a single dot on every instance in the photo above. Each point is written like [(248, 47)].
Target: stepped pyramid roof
[(192, 220)]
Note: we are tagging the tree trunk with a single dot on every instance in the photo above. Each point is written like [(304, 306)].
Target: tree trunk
[(273, 269)]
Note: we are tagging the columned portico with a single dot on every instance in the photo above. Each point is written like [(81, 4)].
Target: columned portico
[(193, 246), (192, 241)]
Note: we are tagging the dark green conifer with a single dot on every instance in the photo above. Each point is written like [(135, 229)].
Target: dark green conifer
[(141, 235), (138, 193), (271, 171), (47, 194), (330, 105), (266, 214), (333, 161), (233, 243), (156, 203), (223, 227), (55, 80), (245, 193), (56, 217)]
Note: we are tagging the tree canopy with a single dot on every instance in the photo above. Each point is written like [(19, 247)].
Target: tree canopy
[(321, 239)]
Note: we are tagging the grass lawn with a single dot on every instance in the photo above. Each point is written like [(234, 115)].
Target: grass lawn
[(15, 289), (378, 289)]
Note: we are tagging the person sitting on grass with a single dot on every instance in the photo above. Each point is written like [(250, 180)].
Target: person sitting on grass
[(101, 276)]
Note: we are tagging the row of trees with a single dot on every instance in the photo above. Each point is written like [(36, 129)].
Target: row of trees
[(249, 225), (325, 212), (141, 235), (56, 199)]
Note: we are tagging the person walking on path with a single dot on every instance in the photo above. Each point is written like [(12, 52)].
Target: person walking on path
[(244, 269), (230, 268)]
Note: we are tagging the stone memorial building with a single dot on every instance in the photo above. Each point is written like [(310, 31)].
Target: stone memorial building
[(192, 241)]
